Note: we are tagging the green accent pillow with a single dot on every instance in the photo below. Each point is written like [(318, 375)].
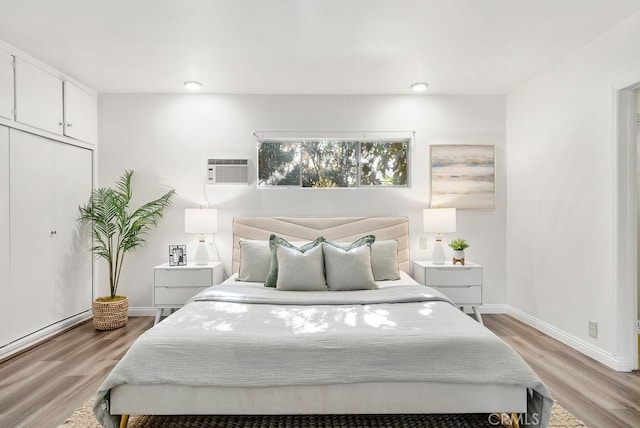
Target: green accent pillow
[(365, 240), (274, 241)]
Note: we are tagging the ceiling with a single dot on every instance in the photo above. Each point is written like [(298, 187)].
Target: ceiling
[(306, 46)]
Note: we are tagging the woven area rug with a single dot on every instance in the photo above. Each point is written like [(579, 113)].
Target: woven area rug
[(83, 418)]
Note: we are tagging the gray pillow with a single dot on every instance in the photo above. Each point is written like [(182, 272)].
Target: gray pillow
[(384, 260), (298, 271), (255, 260), (348, 270), (272, 276)]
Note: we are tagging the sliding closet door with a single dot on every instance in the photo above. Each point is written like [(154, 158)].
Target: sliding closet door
[(51, 269), (49, 260), (72, 259), (4, 228), (32, 234)]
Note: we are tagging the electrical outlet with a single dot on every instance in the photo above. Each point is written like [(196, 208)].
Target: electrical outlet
[(423, 243), (593, 329)]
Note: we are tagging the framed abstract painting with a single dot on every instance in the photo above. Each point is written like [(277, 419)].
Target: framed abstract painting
[(463, 176)]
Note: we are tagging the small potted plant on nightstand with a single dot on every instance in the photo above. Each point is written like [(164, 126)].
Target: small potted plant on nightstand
[(458, 246), (118, 230)]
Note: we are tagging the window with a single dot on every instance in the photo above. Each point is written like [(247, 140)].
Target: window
[(333, 163)]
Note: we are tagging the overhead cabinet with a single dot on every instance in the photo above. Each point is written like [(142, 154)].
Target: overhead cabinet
[(80, 112), (38, 98), (50, 263), (6, 85), (45, 101)]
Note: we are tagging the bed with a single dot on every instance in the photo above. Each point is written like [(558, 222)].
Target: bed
[(242, 348)]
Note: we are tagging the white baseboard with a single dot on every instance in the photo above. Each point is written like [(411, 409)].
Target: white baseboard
[(494, 308), (42, 335), (580, 345)]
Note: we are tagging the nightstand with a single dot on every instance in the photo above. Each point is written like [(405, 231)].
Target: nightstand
[(174, 285), (460, 283)]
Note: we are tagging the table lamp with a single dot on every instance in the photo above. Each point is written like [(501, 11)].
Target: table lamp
[(201, 221), (439, 221)]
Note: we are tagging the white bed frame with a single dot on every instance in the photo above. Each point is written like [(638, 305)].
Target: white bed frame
[(357, 398)]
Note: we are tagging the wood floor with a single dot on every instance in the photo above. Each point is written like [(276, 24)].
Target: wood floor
[(43, 386), (596, 394)]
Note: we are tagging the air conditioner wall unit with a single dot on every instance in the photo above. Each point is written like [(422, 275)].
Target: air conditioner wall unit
[(228, 171)]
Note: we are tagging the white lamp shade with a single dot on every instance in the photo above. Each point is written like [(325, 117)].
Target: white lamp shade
[(439, 220), (200, 220)]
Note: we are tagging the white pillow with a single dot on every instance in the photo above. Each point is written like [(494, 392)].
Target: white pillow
[(255, 260), (384, 260), (348, 270), (298, 271)]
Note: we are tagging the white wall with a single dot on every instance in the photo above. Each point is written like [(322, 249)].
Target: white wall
[(560, 183), (167, 140)]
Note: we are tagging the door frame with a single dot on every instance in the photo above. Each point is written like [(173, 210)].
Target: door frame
[(625, 220)]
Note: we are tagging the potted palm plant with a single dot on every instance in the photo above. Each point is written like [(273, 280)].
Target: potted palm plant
[(117, 230)]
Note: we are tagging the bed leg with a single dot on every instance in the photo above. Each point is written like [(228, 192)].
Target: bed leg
[(124, 419), (514, 420)]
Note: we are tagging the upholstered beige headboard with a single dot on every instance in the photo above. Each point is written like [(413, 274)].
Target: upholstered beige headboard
[(340, 229)]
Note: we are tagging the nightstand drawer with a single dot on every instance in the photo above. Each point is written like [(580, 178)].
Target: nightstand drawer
[(471, 295), (183, 277), (456, 277), (175, 295)]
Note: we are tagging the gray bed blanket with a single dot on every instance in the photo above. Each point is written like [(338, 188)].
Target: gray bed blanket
[(243, 335), (402, 293)]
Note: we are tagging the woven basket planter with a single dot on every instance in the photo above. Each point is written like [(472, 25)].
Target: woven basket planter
[(110, 315)]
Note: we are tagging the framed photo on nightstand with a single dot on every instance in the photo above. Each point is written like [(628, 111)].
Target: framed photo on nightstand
[(177, 255)]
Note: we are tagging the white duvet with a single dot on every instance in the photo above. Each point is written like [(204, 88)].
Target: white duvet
[(243, 334)]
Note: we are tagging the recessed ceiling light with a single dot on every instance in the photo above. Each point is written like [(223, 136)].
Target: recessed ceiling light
[(192, 85), (419, 86)]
